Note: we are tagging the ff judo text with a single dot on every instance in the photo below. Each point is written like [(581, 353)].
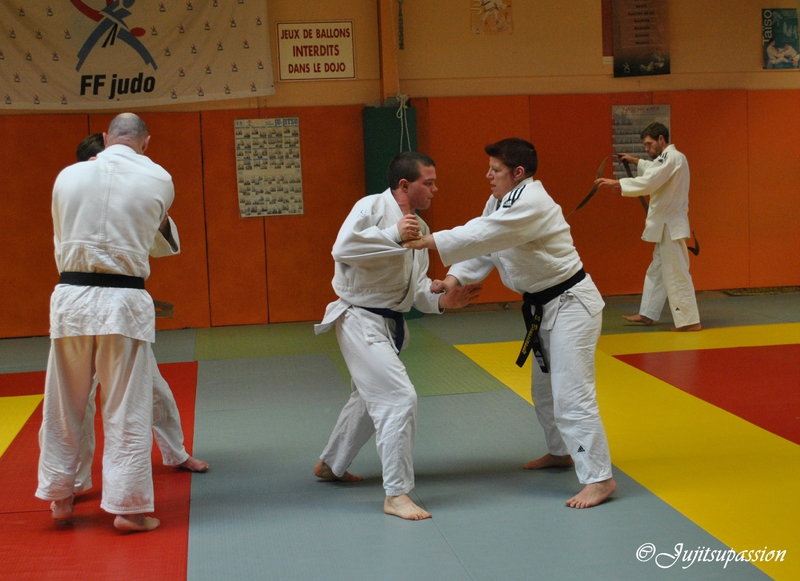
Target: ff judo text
[(117, 86)]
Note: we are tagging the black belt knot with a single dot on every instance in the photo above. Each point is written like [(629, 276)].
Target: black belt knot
[(104, 279), (399, 323), (534, 320)]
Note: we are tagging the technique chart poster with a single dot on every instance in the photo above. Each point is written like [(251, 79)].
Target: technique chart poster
[(779, 38), (94, 54), (641, 37), (628, 121), (268, 167), (492, 17)]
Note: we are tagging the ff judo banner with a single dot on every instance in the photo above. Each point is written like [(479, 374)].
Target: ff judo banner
[(90, 54)]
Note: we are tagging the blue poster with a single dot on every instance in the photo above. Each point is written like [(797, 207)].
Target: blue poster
[(779, 38)]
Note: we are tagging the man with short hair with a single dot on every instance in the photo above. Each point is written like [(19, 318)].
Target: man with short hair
[(166, 418), (106, 215), (666, 180), (377, 280)]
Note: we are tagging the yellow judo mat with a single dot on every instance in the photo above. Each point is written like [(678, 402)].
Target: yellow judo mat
[(15, 411), (732, 478)]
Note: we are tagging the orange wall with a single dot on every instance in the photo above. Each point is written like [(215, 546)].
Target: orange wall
[(33, 150), (774, 175), (234, 271)]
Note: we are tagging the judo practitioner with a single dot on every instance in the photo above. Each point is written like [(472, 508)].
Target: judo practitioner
[(377, 280), (166, 418), (666, 180), (523, 234), (106, 215)]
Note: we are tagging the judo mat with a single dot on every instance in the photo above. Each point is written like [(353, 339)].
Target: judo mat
[(700, 428), (34, 548)]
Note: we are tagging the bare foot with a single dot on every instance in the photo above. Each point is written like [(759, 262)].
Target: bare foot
[(549, 461), (135, 523), (62, 509), (194, 465), (322, 470), (638, 319), (695, 327), (404, 507), (593, 494)]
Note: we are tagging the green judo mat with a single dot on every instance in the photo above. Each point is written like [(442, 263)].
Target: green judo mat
[(435, 367)]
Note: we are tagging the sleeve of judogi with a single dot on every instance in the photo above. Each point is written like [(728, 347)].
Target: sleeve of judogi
[(424, 300), (533, 214), (166, 246), (656, 174), (361, 239)]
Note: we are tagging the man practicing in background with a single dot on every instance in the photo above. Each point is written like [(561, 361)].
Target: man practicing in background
[(666, 181), (523, 234), (106, 215), (166, 418), (377, 280)]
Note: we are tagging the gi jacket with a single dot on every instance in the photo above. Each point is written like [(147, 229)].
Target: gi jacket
[(106, 214), (666, 180), (371, 267), (526, 237)]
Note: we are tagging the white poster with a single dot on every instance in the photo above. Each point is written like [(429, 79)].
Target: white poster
[(268, 167), (316, 50), (92, 54), (628, 123)]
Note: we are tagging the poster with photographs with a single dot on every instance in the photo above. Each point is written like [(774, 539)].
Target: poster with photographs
[(779, 38), (628, 123), (492, 17), (268, 167)]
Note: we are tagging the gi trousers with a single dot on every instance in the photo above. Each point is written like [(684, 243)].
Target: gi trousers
[(565, 399), (123, 368), (383, 402), (668, 278), (166, 428)]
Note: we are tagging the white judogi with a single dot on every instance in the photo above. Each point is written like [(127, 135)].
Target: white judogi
[(106, 215), (666, 180), (372, 269), (527, 239), (166, 418), (166, 428)]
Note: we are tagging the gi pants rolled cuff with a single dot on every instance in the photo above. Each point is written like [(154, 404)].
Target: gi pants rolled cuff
[(595, 479), (41, 494), (129, 510), (652, 316), (173, 461), (400, 491)]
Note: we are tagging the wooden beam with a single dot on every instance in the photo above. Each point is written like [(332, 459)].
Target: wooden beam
[(390, 82)]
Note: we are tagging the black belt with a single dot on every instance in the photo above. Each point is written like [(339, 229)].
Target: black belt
[(104, 279), (534, 320), (399, 324)]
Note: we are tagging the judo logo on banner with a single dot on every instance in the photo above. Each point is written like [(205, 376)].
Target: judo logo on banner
[(89, 54), (112, 20)]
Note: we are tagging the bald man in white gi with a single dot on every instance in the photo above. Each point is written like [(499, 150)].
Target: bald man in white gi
[(166, 417), (377, 280), (106, 215), (523, 234), (666, 180)]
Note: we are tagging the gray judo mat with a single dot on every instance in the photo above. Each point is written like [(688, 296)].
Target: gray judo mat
[(261, 514)]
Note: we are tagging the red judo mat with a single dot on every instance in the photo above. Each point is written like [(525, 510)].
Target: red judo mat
[(758, 384), (33, 547)]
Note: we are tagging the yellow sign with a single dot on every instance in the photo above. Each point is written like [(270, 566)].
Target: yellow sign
[(316, 50)]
